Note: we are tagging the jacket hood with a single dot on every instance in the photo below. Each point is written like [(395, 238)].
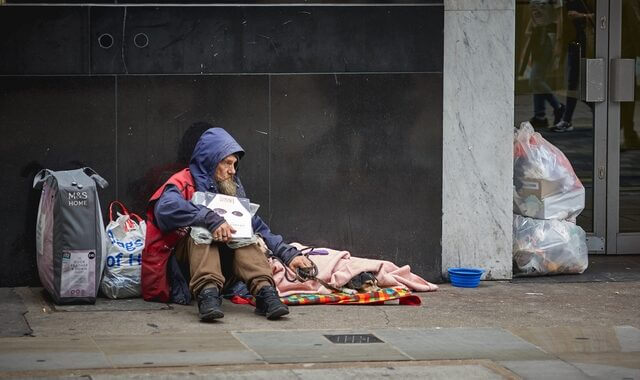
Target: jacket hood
[(213, 146)]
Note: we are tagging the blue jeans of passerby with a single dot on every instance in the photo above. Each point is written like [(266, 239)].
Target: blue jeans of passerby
[(541, 59)]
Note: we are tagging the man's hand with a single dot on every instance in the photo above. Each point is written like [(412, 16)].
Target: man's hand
[(300, 262), (223, 233)]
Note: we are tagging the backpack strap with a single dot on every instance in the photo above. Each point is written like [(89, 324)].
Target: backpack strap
[(41, 178), (96, 177)]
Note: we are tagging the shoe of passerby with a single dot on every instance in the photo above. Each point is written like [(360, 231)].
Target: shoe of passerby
[(557, 114), (209, 302), (268, 303), (539, 123), (562, 126)]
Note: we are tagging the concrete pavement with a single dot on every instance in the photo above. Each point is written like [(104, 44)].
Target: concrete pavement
[(499, 330)]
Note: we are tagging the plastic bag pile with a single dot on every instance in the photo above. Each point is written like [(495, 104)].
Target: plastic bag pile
[(547, 198)]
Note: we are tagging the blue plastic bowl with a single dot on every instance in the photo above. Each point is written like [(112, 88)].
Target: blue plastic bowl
[(465, 277)]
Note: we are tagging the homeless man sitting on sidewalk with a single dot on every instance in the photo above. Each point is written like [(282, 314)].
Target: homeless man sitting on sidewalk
[(212, 266)]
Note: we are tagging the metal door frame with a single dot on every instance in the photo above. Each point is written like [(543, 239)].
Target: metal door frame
[(596, 240), (617, 243)]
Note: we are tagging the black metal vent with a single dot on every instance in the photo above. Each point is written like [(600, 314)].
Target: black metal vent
[(353, 338)]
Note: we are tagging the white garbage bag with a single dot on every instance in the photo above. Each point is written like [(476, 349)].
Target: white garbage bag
[(545, 185), (542, 247)]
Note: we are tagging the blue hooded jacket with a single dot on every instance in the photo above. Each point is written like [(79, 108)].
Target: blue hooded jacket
[(173, 211)]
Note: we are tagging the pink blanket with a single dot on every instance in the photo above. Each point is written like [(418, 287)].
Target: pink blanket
[(338, 267)]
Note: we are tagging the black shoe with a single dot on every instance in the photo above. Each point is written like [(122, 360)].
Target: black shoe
[(557, 114), (209, 302), (539, 123), (268, 303)]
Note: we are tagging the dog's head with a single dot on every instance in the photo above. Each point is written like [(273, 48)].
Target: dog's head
[(364, 282)]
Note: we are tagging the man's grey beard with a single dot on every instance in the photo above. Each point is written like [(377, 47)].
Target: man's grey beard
[(228, 187)]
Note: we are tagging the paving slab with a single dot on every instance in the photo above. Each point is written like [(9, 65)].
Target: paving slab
[(106, 304), (600, 371), (544, 369), (605, 365), (494, 304), (281, 374), (454, 369), (461, 343), (629, 338), (34, 353), (12, 310), (613, 359), (175, 350), (587, 339), (602, 268), (312, 346), (436, 372), (409, 372)]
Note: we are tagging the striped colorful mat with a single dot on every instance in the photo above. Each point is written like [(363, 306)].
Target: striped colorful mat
[(398, 296)]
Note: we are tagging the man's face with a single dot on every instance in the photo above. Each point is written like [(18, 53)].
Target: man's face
[(226, 168)]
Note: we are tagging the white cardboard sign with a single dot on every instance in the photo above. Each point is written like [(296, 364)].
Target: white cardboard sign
[(234, 213)]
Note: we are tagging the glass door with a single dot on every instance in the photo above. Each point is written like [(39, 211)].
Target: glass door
[(578, 84), (623, 230), (553, 37)]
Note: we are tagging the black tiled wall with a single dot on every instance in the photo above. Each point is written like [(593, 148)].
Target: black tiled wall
[(154, 116), (356, 164), (338, 107), (44, 40), (54, 122)]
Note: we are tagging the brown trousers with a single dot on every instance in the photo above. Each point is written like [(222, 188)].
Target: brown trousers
[(213, 264)]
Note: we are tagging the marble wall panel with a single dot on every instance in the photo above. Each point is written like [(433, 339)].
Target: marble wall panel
[(477, 140), (476, 5)]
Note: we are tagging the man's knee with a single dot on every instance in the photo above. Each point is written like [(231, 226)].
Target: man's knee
[(250, 263), (251, 252)]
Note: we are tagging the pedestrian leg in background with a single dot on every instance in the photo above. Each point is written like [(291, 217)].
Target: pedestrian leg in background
[(541, 58)]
